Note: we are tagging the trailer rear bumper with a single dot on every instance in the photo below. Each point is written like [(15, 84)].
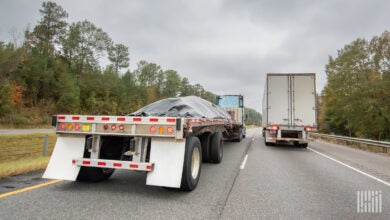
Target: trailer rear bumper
[(114, 164), (273, 136), (281, 140)]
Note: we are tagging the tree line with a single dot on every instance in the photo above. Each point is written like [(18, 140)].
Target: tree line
[(57, 70), (356, 100)]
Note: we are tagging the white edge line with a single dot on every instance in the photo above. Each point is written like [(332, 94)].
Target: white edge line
[(244, 162), (353, 168)]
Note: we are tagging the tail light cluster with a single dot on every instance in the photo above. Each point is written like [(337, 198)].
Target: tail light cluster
[(153, 129), (273, 127), (114, 127), (310, 129), (117, 128), (161, 129), (85, 127)]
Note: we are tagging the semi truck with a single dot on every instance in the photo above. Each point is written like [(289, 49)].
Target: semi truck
[(289, 108), (168, 140), (234, 105)]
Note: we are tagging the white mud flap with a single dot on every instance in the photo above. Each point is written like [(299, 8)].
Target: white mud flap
[(60, 164), (168, 158)]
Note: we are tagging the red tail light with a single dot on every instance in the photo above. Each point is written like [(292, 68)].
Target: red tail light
[(310, 129), (273, 127), (63, 126), (170, 130)]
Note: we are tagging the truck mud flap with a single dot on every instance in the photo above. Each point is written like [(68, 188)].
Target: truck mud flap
[(60, 164), (168, 157)]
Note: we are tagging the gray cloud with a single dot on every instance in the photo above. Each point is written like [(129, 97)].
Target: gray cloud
[(226, 46)]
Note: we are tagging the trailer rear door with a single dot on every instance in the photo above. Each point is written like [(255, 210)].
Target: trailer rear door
[(278, 99), (304, 99)]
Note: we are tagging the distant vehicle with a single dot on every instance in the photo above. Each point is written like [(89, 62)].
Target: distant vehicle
[(289, 108), (234, 105), (168, 140)]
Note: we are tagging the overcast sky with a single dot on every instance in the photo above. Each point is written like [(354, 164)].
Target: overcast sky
[(226, 46)]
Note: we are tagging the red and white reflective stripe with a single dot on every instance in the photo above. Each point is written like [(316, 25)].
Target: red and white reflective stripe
[(116, 119), (116, 164)]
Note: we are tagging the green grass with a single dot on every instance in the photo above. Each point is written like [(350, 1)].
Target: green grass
[(22, 153), (22, 146), (12, 168)]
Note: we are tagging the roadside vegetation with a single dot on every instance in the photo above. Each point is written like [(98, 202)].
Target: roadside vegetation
[(356, 100), (56, 70), (24, 153), (17, 167)]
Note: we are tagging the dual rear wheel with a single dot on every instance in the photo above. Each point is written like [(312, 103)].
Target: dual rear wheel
[(209, 148)]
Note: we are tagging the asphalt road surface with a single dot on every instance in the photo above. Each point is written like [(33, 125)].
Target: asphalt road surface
[(26, 131), (252, 182)]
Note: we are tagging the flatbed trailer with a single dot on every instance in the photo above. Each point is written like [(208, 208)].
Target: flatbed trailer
[(169, 149)]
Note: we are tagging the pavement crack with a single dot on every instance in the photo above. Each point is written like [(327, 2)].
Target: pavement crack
[(238, 170)]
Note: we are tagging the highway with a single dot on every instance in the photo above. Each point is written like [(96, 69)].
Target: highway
[(26, 131), (252, 182)]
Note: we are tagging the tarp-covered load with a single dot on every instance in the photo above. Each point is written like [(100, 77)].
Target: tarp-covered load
[(189, 106)]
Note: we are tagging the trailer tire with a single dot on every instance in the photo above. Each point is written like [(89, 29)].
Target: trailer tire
[(240, 135), (192, 164), (205, 142), (303, 145), (94, 174), (216, 152)]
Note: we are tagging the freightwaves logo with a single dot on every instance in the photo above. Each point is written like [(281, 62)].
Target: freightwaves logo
[(369, 201)]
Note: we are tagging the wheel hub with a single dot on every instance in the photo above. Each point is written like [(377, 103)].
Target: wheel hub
[(195, 162)]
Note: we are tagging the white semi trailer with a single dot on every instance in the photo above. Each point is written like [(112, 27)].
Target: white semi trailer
[(168, 140), (289, 108)]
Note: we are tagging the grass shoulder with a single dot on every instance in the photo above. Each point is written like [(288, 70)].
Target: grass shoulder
[(23, 153)]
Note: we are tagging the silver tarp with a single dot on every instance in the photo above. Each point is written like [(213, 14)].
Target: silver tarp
[(189, 106)]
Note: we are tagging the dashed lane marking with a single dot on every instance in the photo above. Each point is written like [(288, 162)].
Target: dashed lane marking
[(244, 162)]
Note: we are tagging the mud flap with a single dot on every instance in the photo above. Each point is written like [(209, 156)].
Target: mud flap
[(60, 164), (168, 158)]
